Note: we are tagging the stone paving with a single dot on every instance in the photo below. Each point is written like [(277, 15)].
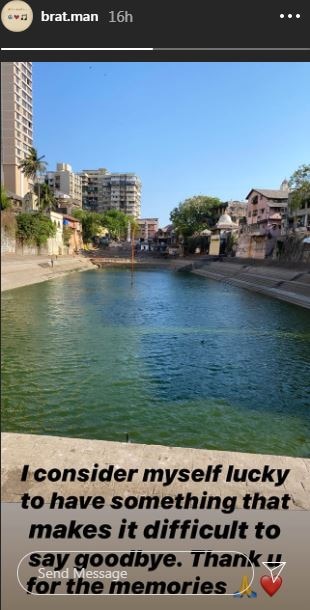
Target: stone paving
[(17, 271), (58, 452)]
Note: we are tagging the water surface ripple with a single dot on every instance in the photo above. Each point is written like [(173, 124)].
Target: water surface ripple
[(172, 359)]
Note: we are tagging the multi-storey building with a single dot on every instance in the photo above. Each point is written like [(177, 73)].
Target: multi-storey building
[(266, 219), (237, 210), (300, 217), (103, 191), (16, 124), (148, 228), (65, 182), (267, 207), (123, 192), (93, 189)]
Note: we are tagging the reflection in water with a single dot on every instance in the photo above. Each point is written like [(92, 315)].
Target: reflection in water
[(174, 359)]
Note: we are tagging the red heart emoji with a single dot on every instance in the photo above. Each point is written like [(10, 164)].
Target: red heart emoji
[(16, 16), (269, 586)]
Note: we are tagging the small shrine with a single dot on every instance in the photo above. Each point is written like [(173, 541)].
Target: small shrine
[(223, 228)]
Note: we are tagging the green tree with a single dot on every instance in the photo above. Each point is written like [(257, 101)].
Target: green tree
[(91, 223), (195, 214), (32, 165), (66, 235), (134, 226), (116, 222), (44, 228), (25, 231), (300, 189), (46, 197), (5, 201), (34, 228)]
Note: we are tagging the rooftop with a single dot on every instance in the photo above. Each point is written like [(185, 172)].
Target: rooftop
[(67, 217), (269, 193)]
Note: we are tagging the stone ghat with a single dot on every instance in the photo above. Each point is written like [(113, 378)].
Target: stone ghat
[(18, 271), (184, 470), (138, 263), (286, 284)]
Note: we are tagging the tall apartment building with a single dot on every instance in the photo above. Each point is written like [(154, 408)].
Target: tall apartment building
[(65, 182), (124, 193), (93, 188), (16, 123), (103, 191)]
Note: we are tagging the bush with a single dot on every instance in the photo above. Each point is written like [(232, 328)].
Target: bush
[(5, 201), (66, 235), (34, 228)]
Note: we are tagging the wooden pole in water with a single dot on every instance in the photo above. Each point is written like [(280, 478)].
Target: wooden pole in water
[(132, 252)]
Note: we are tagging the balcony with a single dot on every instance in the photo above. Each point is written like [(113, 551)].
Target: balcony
[(253, 229)]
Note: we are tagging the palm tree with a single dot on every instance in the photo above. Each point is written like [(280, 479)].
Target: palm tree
[(47, 201), (32, 166)]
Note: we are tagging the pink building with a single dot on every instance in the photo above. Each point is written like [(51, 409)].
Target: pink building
[(74, 237), (148, 228), (267, 207), (266, 216)]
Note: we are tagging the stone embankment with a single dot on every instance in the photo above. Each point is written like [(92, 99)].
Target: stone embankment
[(142, 260), (289, 284), (17, 271), (142, 263), (51, 452)]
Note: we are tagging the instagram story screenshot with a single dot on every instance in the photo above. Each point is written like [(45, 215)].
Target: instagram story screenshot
[(155, 301)]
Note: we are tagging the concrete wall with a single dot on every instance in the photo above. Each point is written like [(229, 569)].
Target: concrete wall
[(55, 244), (243, 246), (10, 245), (53, 451), (214, 249)]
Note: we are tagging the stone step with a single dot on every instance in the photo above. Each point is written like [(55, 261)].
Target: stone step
[(258, 280), (273, 273), (304, 278), (296, 287), (285, 295)]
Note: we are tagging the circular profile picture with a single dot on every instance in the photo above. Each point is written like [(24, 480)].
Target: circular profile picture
[(16, 16)]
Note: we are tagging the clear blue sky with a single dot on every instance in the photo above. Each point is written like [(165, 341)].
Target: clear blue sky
[(185, 128)]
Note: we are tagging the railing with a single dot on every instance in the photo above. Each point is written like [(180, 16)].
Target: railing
[(253, 229), (256, 229)]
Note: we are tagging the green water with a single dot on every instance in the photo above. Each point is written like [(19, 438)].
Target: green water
[(173, 359)]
